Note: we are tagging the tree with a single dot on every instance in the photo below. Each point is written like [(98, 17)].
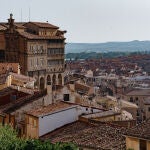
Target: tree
[(10, 141), (8, 138)]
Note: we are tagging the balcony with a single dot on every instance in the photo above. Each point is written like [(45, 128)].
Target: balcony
[(54, 45), (56, 56), (37, 68), (55, 68)]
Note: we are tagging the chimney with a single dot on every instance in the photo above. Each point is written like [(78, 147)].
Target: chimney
[(48, 97), (72, 86)]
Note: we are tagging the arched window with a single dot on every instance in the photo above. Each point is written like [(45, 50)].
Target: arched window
[(42, 83), (54, 79), (136, 98), (60, 79), (48, 80)]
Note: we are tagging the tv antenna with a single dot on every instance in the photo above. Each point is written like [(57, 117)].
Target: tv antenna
[(29, 14), (21, 14)]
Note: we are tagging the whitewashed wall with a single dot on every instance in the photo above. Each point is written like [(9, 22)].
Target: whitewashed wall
[(86, 110), (53, 121)]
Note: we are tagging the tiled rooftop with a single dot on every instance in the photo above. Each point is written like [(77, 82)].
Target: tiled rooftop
[(140, 131), (85, 102), (4, 67), (52, 108), (100, 137), (44, 25), (17, 24), (29, 35), (140, 92), (71, 128), (2, 28), (102, 114), (13, 105)]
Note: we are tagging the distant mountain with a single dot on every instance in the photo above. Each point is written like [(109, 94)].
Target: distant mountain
[(132, 46)]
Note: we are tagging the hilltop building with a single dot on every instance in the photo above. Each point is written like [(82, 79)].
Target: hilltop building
[(37, 46)]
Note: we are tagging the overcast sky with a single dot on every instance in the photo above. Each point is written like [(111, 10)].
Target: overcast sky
[(89, 21)]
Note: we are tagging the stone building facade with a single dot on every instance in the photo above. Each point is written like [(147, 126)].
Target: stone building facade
[(2, 43), (39, 49)]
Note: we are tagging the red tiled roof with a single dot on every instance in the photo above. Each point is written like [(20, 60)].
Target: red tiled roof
[(139, 92), (2, 28), (52, 108), (44, 25), (19, 25), (94, 136), (4, 67), (71, 128), (82, 87), (16, 24), (140, 131), (14, 105)]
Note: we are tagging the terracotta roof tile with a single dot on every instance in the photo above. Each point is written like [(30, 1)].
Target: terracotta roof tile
[(100, 136), (4, 67), (20, 25), (52, 108), (140, 131), (2, 28), (44, 25), (139, 92), (14, 105)]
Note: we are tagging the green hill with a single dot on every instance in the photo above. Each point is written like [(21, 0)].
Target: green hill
[(132, 46)]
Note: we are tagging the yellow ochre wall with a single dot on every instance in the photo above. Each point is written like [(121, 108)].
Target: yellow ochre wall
[(148, 145), (31, 127), (134, 143)]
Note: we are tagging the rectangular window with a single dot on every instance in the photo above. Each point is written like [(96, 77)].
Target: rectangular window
[(49, 51), (42, 61), (37, 62), (31, 62), (55, 51), (30, 48), (41, 47)]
